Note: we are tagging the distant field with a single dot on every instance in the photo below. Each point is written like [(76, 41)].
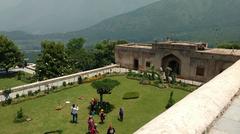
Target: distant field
[(152, 102)]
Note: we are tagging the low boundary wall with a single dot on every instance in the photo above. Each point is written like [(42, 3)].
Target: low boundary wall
[(57, 82), (195, 113)]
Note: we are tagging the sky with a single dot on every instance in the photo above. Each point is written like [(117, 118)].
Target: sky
[(49, 16), (5, 4)]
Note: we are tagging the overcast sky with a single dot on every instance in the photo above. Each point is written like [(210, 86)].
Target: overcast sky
[(4, 4), (46, 16)]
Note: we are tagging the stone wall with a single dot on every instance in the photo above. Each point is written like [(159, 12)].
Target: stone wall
[(195, 113), (57, 82)]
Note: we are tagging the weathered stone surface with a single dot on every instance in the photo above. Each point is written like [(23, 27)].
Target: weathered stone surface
[(195, 113), (187, 55), (229, 122)]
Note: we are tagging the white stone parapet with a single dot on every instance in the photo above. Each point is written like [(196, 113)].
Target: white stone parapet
[(195, 113), (57, 82)]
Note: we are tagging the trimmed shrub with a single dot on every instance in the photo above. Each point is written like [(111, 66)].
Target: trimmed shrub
[(20, 117), (30, 93), (17, 96), (64, 84), (70, 83), (37, 91), (23, 95), (8, 99), (171, 101), (131, 95), (53, 87), (145, 82), (80, 81)]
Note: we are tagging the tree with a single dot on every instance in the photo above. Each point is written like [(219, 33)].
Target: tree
[(10, 55), (104, 87), (104, 52), (171, 101), (81, 59), (53, 61), (6, 94)]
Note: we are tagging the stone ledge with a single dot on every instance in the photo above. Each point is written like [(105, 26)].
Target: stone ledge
[(196, 112)]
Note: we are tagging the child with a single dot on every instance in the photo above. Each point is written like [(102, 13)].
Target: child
[(102, 116)]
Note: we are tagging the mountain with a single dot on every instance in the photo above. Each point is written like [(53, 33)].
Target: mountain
[(199, 20), (53, 16)]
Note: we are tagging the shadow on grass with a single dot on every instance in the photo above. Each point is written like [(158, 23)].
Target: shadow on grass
[(54, 132), (3, 74), (106, 106)]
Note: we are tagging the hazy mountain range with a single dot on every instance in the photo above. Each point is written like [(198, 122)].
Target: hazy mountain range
[(198, 20)]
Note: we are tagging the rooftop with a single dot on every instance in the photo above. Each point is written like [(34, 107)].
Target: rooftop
[(202, 46), (221, 51), (137, 45)]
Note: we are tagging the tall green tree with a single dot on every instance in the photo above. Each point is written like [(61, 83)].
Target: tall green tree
[(104, 52), (104, 87), (10, 55), (53, 61), (80, 58)]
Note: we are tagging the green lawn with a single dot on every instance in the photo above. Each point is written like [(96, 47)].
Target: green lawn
[(45, 118), (9, 81)]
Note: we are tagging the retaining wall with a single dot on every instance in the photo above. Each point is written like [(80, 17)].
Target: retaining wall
[(57, 82)]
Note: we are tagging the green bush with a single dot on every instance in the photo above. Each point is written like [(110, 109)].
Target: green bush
[(64, 84), (131, 95), (171, 101), (23, 95), (17, 96), (80, 79), (37, 91), (145, 82), (30, 93), (20, 117)]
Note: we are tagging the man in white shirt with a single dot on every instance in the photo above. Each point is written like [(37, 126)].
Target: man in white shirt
[(74, 112)]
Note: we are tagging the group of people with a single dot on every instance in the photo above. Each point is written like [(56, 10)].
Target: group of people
[(92, 126)]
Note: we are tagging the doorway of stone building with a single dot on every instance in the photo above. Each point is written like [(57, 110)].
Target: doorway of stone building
[(135, 64), (173, 62)]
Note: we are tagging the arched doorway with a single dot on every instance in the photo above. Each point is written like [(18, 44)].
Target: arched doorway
[(173, 62)]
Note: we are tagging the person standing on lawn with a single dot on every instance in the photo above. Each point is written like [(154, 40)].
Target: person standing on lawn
[(102, 116), (74, 113), (121, 113)]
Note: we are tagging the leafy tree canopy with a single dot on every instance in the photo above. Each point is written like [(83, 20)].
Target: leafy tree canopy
[(230, 45), (10, 55), (53, 61), (106, 84)]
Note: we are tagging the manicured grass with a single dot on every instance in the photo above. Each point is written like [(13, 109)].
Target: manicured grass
[(139, 111), (10, 80)]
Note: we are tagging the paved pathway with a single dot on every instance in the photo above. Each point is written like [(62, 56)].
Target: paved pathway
[(191, 82), (229, 123)]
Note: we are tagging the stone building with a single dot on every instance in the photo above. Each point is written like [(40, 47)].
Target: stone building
[(193, 61)]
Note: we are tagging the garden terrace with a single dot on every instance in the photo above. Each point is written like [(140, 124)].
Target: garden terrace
[(151, 102)]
